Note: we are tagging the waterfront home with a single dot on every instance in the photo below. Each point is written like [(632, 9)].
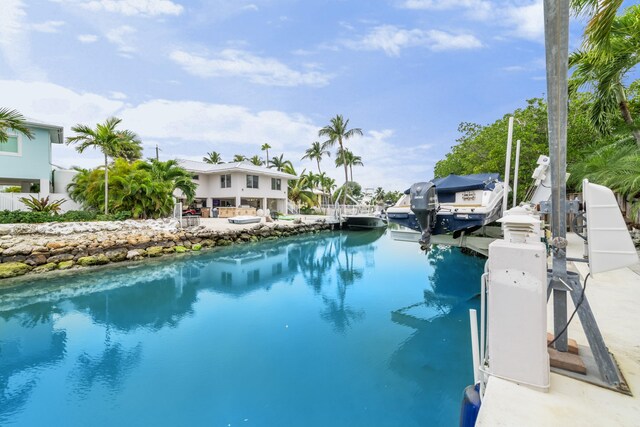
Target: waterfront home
[(239, 184), (25, 162)]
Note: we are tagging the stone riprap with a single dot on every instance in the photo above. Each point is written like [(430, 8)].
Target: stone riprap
[(37, 248)]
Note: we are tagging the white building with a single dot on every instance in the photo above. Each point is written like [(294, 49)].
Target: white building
[(239, 184)]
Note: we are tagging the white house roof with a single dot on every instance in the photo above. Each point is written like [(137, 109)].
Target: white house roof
[(56, 132), (201, 167)]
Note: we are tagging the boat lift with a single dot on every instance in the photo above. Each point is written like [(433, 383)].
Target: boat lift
[(518, 292)]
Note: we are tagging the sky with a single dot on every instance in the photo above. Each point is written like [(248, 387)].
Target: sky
[(229, 76)]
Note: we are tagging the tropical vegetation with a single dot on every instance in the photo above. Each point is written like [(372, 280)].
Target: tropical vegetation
[(143, 189), (316, 152), (43, 204), (337, 132), (603, 132), (213, 158), (112, 142), (12, 119)]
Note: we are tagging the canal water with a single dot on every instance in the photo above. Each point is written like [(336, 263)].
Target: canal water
[(332, 329)]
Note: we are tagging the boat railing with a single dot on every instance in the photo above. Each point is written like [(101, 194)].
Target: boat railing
[(337, 211)]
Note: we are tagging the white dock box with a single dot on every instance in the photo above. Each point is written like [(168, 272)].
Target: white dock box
[(517, 312)]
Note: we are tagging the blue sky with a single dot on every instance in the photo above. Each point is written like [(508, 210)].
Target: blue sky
[(198, 76)]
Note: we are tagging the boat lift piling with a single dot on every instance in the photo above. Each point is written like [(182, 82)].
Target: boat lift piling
[(515, 173), (507, 166), (556, 28)]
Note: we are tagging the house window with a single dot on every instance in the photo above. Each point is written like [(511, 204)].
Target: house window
[(225, 181), (12, 147), (276, 184), (195, 177), (252, 181)]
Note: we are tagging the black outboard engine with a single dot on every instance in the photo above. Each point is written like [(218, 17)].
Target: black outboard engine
[(424, 204)]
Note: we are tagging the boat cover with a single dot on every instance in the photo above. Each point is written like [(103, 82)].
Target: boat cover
[(455, 183)]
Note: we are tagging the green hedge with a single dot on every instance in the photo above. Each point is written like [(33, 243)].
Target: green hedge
[(20, 217)]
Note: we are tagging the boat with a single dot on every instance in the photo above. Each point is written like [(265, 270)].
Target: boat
[(454, 204), (365, 221), (245, 219)]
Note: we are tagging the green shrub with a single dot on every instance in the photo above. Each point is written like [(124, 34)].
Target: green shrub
[(13, 189), (20, 217)]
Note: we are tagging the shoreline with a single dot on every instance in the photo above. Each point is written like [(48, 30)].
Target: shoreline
[(73, 246)]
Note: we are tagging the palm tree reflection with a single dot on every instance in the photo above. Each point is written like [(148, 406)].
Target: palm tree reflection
[(343, 252)]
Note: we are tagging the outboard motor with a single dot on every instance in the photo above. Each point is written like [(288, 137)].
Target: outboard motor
[(424, 204)]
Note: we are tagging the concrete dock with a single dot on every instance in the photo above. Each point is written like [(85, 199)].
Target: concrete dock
[(615, 300)]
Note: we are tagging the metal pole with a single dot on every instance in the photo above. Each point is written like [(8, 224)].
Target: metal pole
[(556, 30), (515, 173), (507, 166)]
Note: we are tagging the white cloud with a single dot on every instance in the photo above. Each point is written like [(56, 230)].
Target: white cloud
[(256, 69), (48, 26), (188, 129), (121, 37), (525, 21), (87, 38), (392, 40), (117, 95), (522, 18), (514, 68), (15, 45), (445, 4), (135, 7)]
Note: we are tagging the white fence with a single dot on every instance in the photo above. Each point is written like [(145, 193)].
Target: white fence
[(11, 201)]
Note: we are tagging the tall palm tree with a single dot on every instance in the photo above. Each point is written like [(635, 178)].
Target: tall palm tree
[(336, 131), (265, 147), (256, 160), (213, 158), (279, 163), (12, 119), (111, 141), (605, 69), (316, 152), (239, 158), (171, 171), (349, 159)]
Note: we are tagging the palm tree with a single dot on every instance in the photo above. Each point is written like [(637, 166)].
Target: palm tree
[(279, 163), (12, 119), (316, 152), (265, 147), (239, 158), (300, 191), (379, 194), (256, 160), (213, 158), (171, 171), (109, 140), (350, 160), (337, 131), (606, 68), (602, 14)]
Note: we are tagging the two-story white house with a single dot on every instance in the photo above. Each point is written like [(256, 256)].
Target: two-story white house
[(239, 184)]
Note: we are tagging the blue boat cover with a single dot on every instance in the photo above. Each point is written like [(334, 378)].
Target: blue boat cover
[(455, 183), (449, 185)]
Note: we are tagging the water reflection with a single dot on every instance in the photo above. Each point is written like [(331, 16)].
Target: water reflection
[(433, 352), (28, 341), (157, 295)]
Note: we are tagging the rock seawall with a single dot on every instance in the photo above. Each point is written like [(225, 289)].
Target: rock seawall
[(33, 249)]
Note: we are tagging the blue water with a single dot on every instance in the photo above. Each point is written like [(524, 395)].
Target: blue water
[(334, 329)]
